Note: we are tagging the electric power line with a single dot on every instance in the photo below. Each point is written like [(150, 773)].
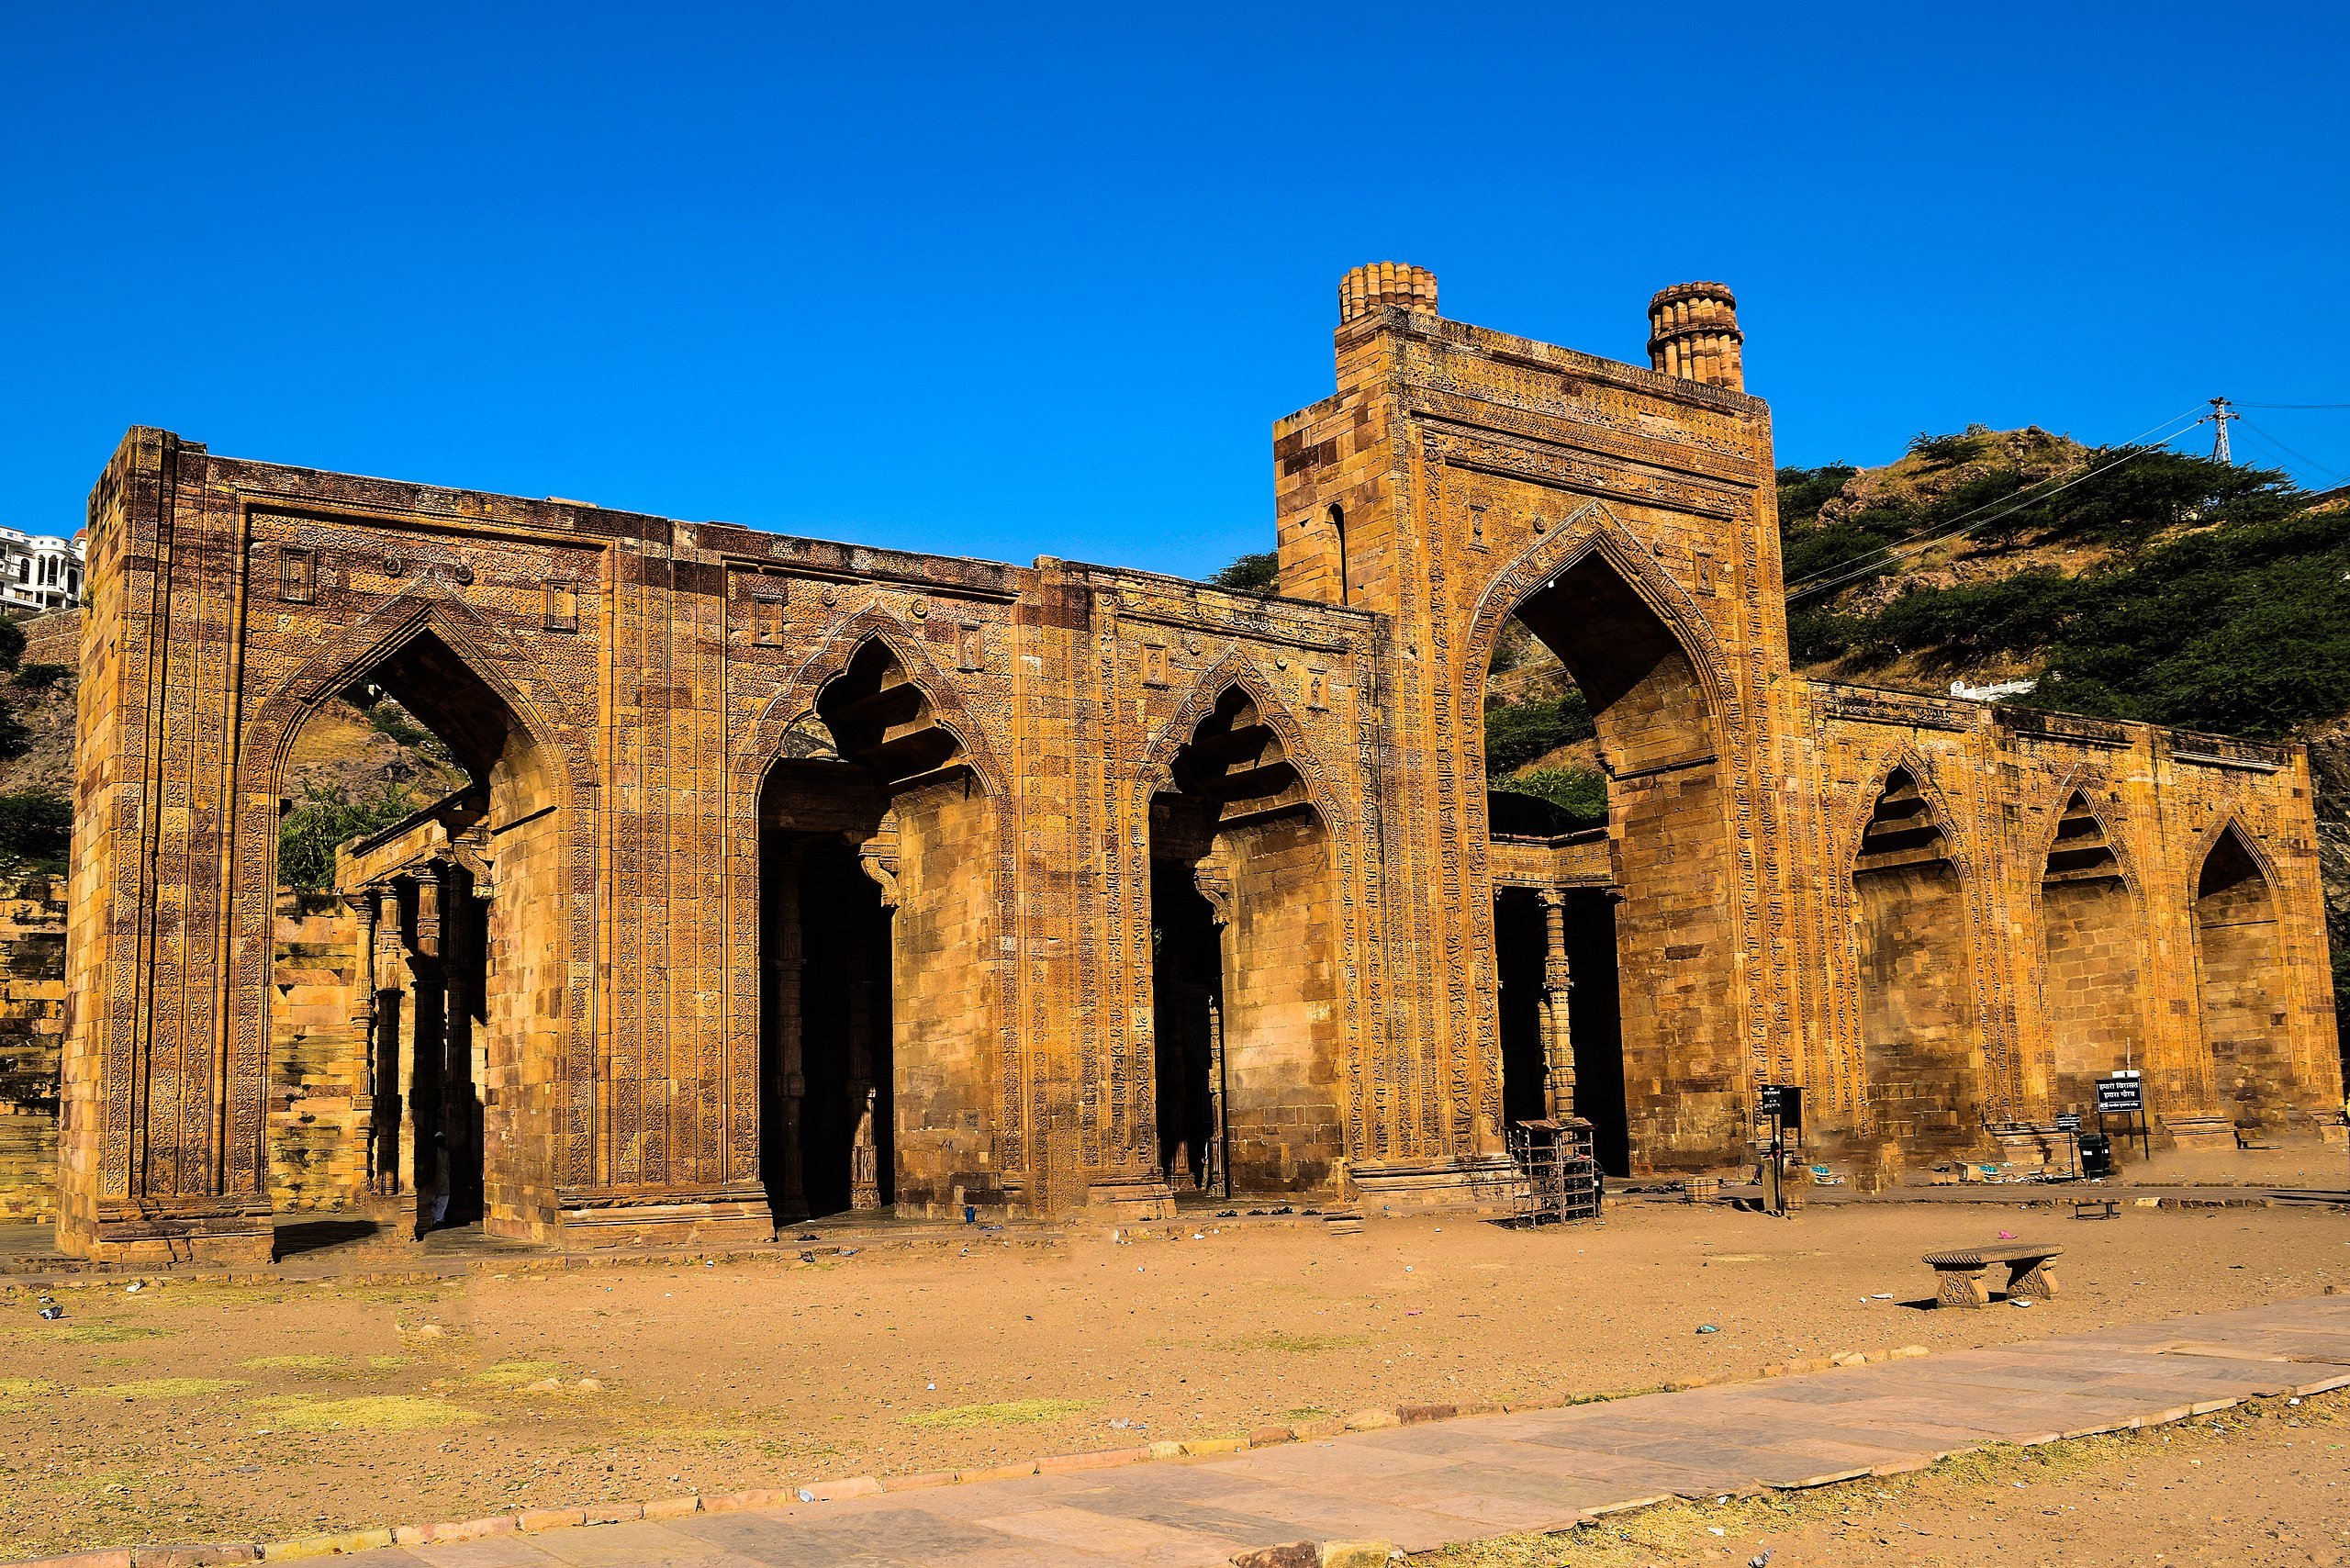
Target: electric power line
[(2271, 441)]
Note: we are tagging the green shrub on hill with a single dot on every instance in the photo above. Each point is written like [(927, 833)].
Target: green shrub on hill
[(307, 836), (36, 829), (1517, 733), (1581, 792)]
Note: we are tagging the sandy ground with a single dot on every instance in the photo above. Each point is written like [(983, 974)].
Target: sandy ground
[(2265, 1485), (2300, 1164), (192, 1411)]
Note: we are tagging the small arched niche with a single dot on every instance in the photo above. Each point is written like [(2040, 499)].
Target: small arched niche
[(2237, 955), (1921, 1058), (2092, 960)]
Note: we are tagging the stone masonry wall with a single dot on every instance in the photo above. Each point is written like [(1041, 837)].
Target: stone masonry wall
[(33, 1011), (318, 1071)]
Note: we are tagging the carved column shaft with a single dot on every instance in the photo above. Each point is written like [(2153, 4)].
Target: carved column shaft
[(1215, 882), (1558, 1038)]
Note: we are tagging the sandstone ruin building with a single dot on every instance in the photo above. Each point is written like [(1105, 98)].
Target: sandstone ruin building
[(1106, 884)]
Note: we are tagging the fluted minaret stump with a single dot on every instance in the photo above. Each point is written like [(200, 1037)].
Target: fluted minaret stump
[(1693, 333), (1383, 284)]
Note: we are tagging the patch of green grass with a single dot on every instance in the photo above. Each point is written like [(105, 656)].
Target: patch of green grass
[(387, 1364), (708, 1436), (1011, 1413), (1278, 1341), (291, 1363), (1304, 1413), (164, 1388), (74, 1333), (19, 1392), (368, 1413), (514, 1374)]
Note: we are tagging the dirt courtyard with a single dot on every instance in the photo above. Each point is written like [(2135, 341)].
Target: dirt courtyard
[(189, 1411)]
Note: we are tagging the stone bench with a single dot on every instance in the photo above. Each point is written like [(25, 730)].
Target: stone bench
[(1960, 1271)]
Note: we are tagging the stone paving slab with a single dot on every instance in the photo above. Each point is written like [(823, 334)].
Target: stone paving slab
[(1425, 1485)]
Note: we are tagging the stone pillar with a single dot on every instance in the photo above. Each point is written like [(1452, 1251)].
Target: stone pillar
[(865, 1160), (1214, 878), (455, 1044), (396, 1047), (1558, 1040), (1219, 1170)]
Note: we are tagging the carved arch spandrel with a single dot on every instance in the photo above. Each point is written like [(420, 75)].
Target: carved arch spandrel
[(1596, 528), (796, 700), (1235, 670), (478, 642), (2104, 802), (2230, 813), (1852, 820)]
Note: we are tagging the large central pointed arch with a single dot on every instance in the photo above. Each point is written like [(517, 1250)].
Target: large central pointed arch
[(1672, 743)]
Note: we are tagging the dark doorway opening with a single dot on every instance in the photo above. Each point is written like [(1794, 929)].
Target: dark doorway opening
[(1245, 980), (1187, 1019), (827, 1077), (1596, 1020), (1521, 948), (404, 997)]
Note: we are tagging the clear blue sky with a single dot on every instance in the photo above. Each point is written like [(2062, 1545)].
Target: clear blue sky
[(1015, 280)]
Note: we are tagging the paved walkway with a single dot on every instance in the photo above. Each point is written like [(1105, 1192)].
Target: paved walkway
[(1424, 1485)]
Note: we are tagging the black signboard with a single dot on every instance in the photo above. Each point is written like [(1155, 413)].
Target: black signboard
[(2119, 1096), (1784, 1101), (2070, 1121)]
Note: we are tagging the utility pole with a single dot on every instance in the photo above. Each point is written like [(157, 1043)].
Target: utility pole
[(2220, 415)]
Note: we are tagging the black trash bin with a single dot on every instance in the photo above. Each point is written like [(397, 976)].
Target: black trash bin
[(2097, 1155)]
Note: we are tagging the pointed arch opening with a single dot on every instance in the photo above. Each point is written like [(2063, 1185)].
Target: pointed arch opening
[(2239, 961), (1605, 800), (874, 1039), (2092, 960), (1243, 988), (1921, 1049), (419, 932)]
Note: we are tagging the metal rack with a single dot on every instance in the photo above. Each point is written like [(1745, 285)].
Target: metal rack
[(1558, 1174)]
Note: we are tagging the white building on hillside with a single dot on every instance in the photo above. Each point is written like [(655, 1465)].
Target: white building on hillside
[(40, 572)]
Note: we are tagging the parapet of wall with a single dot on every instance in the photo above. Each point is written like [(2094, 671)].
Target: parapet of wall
[(32, 1038)]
